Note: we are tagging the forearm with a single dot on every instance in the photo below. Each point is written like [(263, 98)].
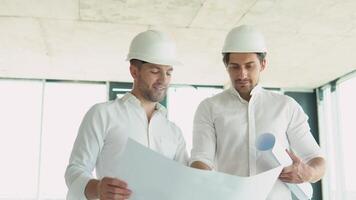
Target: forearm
[(91, 189), (200, 165), (318, 168)]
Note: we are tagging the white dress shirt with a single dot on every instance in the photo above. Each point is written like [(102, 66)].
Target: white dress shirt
[(226, 127), (103, 134)]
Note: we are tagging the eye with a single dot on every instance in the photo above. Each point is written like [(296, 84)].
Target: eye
[(233, 67), (250, 65), (169, 73), (154, 71)]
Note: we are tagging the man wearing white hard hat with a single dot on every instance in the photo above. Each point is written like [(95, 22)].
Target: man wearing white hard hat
[(227, 125), (137, 115)]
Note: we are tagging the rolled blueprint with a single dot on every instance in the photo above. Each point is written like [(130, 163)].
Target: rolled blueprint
[(278, 155)]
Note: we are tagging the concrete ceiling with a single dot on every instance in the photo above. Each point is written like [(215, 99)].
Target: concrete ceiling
[(310, 42)]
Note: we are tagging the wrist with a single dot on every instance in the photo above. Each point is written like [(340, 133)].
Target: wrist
[(91, 190), (98, 189)]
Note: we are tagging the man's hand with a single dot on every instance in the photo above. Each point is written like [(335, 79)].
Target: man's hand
[(200, 165), (298, 172), (112, 188), (107, 188)]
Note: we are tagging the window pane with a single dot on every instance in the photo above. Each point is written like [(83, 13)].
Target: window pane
[(182, 104), (64, 107), (20, 118), (347, 106), (329, 142)]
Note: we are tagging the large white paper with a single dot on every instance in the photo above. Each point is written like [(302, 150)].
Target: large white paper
[(275, 154), (152, 176)]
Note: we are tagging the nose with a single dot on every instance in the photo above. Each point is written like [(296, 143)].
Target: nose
[(242, 74), (164, 78)]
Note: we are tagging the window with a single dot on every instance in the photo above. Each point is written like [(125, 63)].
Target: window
[(336, 113), (347, 111), (118, 90), (332, 182), (182, 104), (20, 118), (64, 107)]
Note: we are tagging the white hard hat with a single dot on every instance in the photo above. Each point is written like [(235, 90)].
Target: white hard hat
[(154, 47), (244, 39)]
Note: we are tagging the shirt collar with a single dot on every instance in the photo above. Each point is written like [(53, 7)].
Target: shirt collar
[(257, 89), (129, 97)]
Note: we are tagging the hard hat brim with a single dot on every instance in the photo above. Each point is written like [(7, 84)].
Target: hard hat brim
[(171, 62)]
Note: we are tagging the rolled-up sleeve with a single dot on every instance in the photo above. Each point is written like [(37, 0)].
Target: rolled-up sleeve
[(84, 154), (300, 138), (204, 136)]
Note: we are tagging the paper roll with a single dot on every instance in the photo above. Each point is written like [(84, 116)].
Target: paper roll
[(267, 143)]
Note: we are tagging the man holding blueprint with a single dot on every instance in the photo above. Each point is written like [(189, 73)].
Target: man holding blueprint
[(106, 127), (227, 125)]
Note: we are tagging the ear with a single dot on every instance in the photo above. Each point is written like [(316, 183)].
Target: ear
[(263, 64), (133, 71)]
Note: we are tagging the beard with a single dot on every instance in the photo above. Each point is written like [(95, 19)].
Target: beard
[(152, 94), (243, 86)]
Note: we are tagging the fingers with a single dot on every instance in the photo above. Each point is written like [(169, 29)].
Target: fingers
[(112, 188), (112, 196), (121, 191), (286, 173), (290, 177), (298, 172), (289, 174), (116, 182), (288, 169)]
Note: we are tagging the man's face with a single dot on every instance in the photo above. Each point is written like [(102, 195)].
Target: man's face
[(244, 70), (153, 81)]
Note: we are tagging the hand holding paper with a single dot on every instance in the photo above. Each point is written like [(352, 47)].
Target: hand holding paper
[(298, 172), (302, 190), (113, 188)]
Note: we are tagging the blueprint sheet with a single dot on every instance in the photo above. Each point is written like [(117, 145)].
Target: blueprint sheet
[(152, 176)]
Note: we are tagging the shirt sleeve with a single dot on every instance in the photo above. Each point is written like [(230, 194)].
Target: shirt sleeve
[(181, 153), (300, 138), (84, 154), (204, 137)]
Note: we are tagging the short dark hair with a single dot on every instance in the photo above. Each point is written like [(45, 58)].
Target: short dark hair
[(137, 63), (226, 57)]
